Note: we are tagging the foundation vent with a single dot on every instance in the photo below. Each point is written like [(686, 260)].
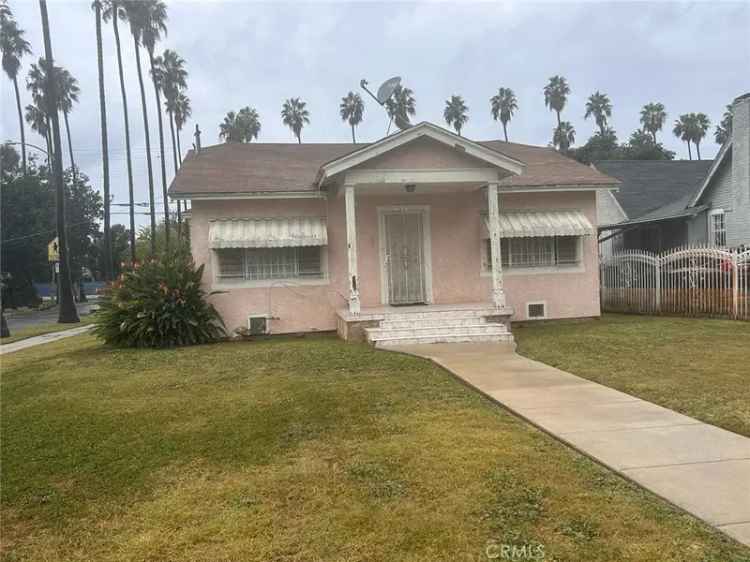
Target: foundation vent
[(257, 325), (536, 310)]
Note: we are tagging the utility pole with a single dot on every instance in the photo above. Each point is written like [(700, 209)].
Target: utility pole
[(67, 309)]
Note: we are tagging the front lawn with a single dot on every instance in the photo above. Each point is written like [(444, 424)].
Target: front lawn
[(698, 367), (299, 450)]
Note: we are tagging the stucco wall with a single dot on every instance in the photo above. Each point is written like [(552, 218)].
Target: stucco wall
[(456, 233)]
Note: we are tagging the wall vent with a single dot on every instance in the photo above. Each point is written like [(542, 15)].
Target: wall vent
[(536, 310), (257, 325)]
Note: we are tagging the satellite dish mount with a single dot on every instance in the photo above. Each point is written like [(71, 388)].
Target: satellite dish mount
[(384, 94)]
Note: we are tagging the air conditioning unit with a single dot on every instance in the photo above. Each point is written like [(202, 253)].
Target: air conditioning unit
[(257, 325)]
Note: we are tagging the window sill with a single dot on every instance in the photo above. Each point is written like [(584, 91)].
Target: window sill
[(269, 283), (529, 271)]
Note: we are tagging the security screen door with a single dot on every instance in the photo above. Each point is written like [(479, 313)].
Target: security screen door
[(404, 257)]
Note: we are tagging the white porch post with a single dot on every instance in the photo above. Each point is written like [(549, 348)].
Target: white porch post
[(351, 244), (493, 203)]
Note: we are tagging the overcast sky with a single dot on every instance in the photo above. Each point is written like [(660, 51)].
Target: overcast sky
[(689, 56)]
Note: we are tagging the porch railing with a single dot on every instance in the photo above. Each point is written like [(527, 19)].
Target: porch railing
[(688, 281)]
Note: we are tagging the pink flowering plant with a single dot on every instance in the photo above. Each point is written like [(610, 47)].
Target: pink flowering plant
[(158, 303)]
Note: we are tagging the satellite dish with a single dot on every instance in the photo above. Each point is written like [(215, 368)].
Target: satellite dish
[(402, 122), (386, 89)]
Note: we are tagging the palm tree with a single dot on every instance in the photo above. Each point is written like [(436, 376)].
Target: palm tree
[(171, 74), (68, 312), (295, 116), (723, 130), (182, 112), (556, 94), (36, 117), (700, 123), (456, 113), (139, 14), (114, 10), (155, 17), (682, 130), (401, 104), (503, 106), (600, 107), (68, 91), (653, 117), (14, 47), (352, 109), (97, 6), (564, 136), (240, 127)]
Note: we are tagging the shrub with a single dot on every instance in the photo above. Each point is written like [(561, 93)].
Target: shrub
[(158, 303)]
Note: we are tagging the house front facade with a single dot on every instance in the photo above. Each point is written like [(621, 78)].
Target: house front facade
[(421, 236)]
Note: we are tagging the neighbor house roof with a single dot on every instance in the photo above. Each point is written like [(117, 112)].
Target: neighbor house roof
[(655, 189), (236, 168)]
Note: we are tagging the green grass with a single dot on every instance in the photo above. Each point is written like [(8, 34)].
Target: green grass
[(41, 329), (297, 450), (698, 367)]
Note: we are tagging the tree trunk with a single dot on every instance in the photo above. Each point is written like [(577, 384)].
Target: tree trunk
[(653, 134), (127, 138), (179, 147), (105, 149), (174, 158), (161, 151), (690, 153), (149, 169), (698, 149), (20, 124), (505, 132), (558, 118), (70, 148), (354, 139), (67, 312)]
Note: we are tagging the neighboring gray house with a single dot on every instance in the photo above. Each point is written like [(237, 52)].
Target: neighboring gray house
[(665, 204)]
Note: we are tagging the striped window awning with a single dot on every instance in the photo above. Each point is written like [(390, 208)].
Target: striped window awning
[(529, 224), (268, 232)]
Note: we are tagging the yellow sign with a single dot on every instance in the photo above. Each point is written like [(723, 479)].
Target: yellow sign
[(53, 252)]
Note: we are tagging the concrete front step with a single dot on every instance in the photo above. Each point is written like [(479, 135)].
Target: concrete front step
[(455, 338), (437, 315), (389, 324), (440, 330)]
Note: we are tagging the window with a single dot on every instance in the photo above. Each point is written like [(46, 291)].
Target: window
[(542, 251), (263, 264), (717, 227)]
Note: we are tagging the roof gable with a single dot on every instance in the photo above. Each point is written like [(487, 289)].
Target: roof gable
[(724, 152), (420, 131)]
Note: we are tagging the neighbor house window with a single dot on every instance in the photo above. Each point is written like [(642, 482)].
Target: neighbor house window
[(717, 227), (263, 264), (541, 251)]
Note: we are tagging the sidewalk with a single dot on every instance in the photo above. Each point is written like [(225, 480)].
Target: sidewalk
[(45, 338), (701, 468)]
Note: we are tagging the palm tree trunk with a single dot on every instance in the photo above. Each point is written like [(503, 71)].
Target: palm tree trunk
[(70, 148), (698, 149), (179, 147), (20, 124), (161, 149), (558, 119), (354, 139), (105, 148), (175, 146), (148, 146), (505, 132), (68, 312), (127, 138), (653, 134), (690, 154)]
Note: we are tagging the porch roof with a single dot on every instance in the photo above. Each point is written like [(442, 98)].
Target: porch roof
[(268, 232), (528, 224)]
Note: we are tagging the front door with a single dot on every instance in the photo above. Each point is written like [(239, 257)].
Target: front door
[(404, 257)]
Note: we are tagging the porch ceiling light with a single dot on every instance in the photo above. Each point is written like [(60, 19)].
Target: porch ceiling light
[(410, 187)]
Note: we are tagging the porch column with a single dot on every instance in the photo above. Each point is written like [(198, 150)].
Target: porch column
[(493, 204), (351, 245)]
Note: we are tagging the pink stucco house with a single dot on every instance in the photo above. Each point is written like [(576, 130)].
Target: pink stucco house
[(422, 236)]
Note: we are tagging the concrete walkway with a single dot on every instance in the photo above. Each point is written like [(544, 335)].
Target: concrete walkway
[(44, 338), (699, 467)]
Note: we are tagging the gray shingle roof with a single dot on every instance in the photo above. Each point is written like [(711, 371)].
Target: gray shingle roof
[(655, 187)]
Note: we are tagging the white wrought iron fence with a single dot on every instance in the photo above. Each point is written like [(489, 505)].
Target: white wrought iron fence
[(690, 281)]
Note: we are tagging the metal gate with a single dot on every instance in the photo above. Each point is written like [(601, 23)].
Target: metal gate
[(404, 257)]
